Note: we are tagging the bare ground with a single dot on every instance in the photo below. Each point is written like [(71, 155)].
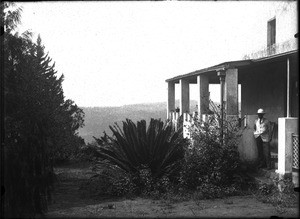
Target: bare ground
[(69, 202)]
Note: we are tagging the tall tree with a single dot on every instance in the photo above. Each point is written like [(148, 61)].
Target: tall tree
[(11, 16), (37, 121)]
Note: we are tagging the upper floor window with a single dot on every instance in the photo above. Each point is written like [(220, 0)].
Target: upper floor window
[(271, 32)]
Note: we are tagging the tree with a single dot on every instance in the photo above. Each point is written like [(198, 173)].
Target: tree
[(37, 120), (11, 16), (146, 154)]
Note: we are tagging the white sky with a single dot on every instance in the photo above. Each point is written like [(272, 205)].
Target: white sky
[(116, 53)]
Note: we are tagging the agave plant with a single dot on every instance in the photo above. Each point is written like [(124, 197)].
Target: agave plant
[(158, 148)]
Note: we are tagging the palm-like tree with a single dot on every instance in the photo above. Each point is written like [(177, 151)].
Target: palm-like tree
[(158, 148)]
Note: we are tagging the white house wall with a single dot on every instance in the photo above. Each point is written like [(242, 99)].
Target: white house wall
[(286, 21), (286, 15)]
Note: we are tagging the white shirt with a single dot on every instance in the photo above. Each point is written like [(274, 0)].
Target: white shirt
[(262, 129)]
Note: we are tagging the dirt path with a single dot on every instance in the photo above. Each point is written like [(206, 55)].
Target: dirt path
[(70, 203)]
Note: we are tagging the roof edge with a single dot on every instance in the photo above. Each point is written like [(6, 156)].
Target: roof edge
[(221, 66), (231, 64)]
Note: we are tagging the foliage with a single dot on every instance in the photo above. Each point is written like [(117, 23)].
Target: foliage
[(205, 166), (111, 181), (210, 162), (108, 181), (86, 153), (281, 194), (212, 191), (146, 154), (11, 16), (38, 121), (68, 149)]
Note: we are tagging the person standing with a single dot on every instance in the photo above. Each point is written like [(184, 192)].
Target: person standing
[(262, 135)]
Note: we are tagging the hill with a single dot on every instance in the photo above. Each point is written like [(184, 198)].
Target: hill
[(98, 119)]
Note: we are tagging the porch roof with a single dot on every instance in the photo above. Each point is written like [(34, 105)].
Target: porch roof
[(233, 64)]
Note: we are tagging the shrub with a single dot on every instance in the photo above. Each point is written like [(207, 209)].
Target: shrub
[(150, 156), (281, 194), (212, 191), (70, 149), (108, 181), (86, 153), (208, 161)]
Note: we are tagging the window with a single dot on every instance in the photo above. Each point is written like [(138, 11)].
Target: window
[(271, 32)]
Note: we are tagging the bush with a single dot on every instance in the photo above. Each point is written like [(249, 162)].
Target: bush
[(157, 162), (281, 194), (211, 191), (109, 181), (86, 153), (209, 164), (68, 150), (147, 185), (150, 157)]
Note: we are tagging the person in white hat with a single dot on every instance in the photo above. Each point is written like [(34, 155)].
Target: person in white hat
[(262, 133)]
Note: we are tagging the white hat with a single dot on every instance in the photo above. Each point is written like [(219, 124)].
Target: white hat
[(260, 111)]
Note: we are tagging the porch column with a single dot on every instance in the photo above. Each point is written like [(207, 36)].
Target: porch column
[(184, 96), (203, 97), (231, 94), (288, 113), (171, 99), (286, 127), (221, 74)]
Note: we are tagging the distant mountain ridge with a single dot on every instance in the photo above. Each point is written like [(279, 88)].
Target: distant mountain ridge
[(98, 119)]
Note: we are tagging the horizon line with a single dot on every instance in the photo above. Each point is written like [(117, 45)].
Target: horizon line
[(131, 104)]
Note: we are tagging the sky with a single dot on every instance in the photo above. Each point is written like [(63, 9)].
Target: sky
[(118, 53)]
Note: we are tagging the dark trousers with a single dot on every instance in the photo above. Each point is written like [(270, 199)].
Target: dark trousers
[(264, 154)]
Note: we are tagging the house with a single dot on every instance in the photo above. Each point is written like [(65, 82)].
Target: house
[(268, 79)]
